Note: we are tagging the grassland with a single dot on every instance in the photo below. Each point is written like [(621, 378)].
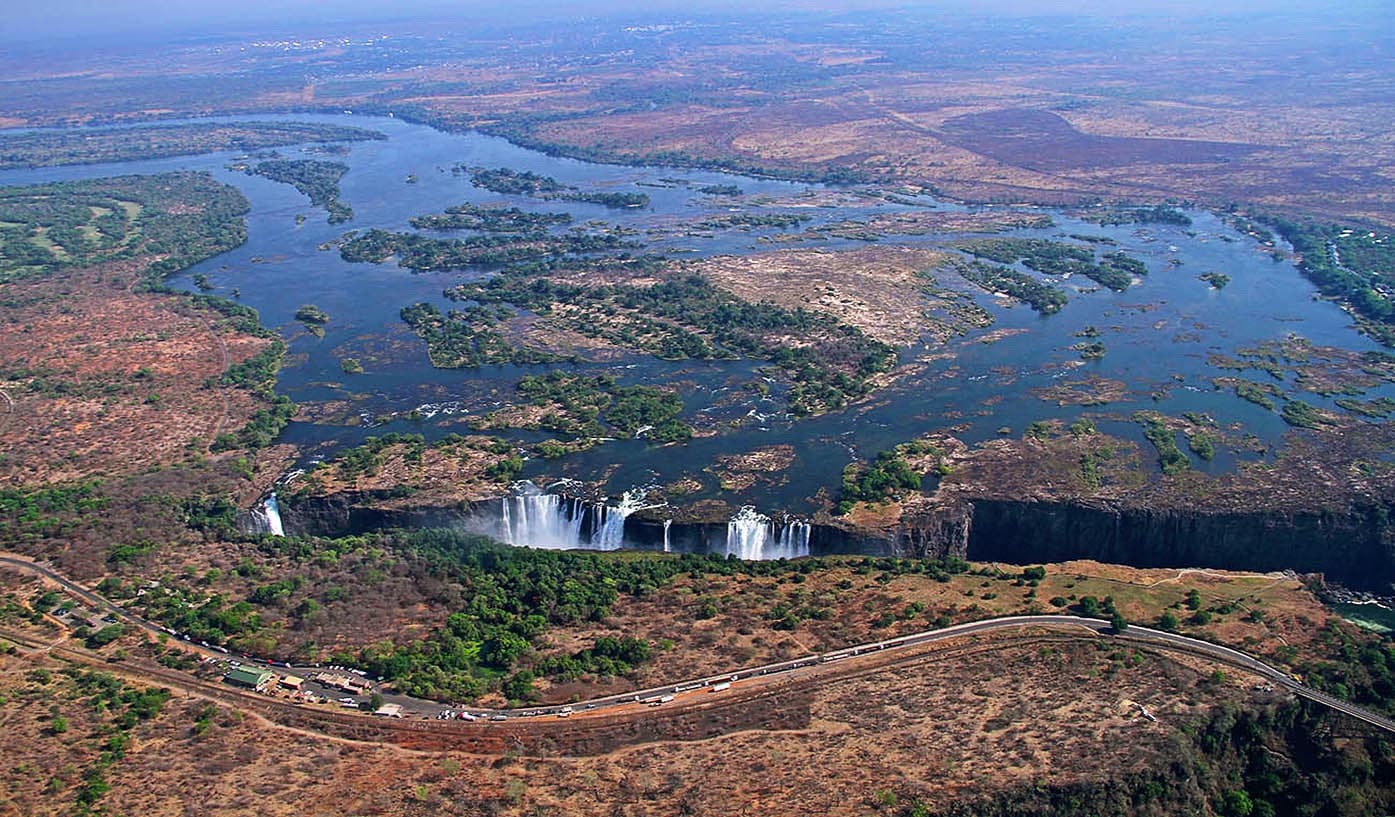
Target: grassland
[(250, 767)]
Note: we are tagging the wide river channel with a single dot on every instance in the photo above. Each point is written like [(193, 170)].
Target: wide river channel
[(1159, 333)]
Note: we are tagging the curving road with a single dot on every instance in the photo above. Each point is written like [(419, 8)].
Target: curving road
[(655, 696)]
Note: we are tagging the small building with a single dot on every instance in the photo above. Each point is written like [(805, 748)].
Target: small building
[(389, 711), (292, 682), (353, 685), (249, 677)]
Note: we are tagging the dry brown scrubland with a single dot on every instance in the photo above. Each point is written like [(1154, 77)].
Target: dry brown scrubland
[(997, 719), (106, 381)]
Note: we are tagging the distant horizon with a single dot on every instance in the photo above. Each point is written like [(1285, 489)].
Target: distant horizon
[(120, 21)]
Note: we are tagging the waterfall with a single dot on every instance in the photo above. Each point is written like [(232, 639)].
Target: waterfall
[(531, 518), (539, 520), (267, 517), (752, 535), (668, 523), (792, 541), (608, 531), (747, 532)]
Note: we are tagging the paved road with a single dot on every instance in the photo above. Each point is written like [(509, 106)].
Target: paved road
[(655, 696)]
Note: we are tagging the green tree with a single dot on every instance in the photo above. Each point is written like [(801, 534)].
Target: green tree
[(104, 636), (1117, 622), (519, 686), (1237, 803), (501, 649)]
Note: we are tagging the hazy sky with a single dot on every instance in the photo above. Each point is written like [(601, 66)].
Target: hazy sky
[(40, 19)]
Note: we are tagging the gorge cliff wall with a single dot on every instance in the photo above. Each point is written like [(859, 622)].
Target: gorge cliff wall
[(1354, 545)]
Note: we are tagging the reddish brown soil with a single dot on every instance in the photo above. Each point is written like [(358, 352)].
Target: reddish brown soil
[(107, 381), (934, 729)]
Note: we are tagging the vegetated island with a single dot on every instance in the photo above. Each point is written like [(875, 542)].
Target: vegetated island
[(1156, 214), (526, 183), (997, 279), (584, 409), (491, 220), (93, 146), (421, 253), (1115, 270), (312, 318), (682, 316), (319, 181), (587, 283)]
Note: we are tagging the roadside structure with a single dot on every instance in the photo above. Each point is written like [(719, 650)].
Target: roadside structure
[(250, 678)]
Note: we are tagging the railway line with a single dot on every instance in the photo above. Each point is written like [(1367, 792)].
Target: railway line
[(484, 727)]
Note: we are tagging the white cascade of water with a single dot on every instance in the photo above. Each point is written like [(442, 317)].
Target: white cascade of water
[(668, 523), (531, 518), (608, 527), (273, 516), (267, 517), (752, 535), (791, 542), (536, 519), (747, 532)]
